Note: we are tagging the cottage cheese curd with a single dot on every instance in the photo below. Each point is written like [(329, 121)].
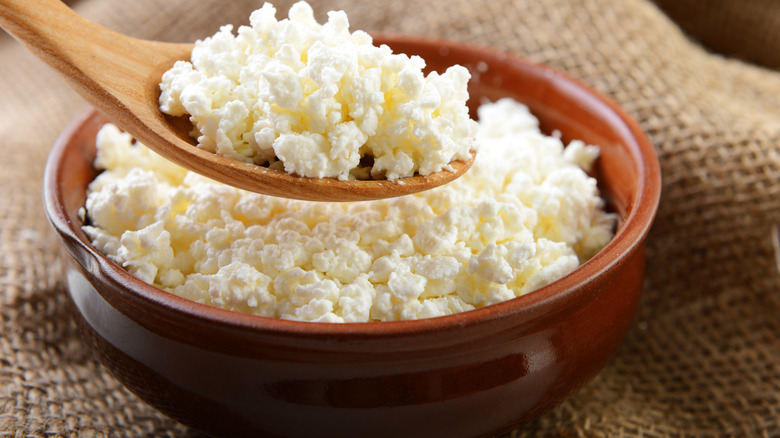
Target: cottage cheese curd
[(315, 99), (526, 214)]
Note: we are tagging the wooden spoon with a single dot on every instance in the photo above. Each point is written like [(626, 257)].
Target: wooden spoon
[(120, 76)]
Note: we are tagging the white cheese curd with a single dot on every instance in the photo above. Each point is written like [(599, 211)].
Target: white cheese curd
[(525, 215), (314, 99)]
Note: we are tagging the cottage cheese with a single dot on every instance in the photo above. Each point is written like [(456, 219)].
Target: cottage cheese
[(314, 99), (525, 215)]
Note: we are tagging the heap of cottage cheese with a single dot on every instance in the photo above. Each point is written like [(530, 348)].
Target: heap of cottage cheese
[(314, 99), (526, 214)]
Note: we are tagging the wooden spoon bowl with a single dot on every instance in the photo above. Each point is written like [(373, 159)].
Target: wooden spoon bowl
[(120, 76)]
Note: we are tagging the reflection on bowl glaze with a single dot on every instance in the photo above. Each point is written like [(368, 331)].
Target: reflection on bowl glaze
[(467, 374)]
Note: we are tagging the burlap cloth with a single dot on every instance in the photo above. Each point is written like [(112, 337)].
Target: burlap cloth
[(703, 358)]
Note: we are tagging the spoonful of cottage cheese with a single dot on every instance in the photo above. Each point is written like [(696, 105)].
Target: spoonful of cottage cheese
[(289, 108), (317, 101)]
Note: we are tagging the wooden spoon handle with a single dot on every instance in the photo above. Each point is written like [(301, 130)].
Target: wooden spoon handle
[(57, 35), (104, 66), (117, 74), (44, 24)]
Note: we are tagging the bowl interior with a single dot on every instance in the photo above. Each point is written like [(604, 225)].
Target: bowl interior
[(627, 169)]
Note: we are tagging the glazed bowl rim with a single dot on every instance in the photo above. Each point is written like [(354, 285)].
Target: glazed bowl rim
[(627, 240)]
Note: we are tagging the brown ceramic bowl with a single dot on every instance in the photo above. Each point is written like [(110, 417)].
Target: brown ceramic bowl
[(469, 374)]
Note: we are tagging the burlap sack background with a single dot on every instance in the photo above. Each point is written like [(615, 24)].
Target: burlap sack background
[(703, 358)]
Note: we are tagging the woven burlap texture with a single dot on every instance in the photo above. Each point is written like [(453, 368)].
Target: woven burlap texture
[(702, 359)]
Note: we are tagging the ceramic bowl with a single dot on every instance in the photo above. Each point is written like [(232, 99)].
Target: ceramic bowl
[(469, 374)]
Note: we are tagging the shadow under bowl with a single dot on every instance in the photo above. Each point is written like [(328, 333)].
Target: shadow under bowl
[(468, 374)]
